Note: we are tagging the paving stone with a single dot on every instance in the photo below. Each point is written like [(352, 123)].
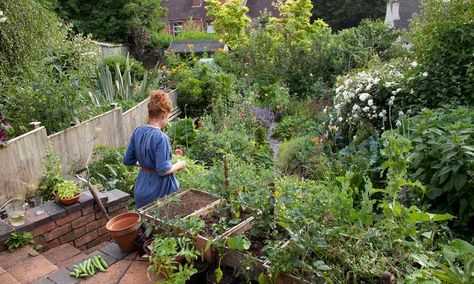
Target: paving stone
[(5, 230), (61, 253), (71, 261), (75, 207), (94, 248), (44, 281), (137, 273), (32, 269), (113, 249), (113, 274), (28, 226), (116, 196), (132, 256), (109, 259), (54, 210), (2, 270), (8, 279), (62, 277), (11, 259), (71, 264), (86, 199)]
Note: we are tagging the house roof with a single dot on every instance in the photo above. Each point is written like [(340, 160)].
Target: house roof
[(406, 11), (183, 9), (199, 46), (258, 6)]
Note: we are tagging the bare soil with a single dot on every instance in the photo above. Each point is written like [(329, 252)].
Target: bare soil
[(184, 205), (215, 217)]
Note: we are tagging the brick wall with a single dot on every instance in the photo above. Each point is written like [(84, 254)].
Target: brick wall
[(81, 224)]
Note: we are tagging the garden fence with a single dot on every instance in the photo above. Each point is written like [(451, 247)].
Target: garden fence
[(22, 160)]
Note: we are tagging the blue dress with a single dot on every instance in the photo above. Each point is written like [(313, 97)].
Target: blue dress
[(152, 149)]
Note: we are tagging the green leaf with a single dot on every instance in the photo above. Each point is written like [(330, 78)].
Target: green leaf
[(320, 265), (441, 217), (219, 274), (263, 279), (459, 181), (238, 243)]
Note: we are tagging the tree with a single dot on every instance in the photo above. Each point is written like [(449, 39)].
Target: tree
[(230, 20), (341, 14)]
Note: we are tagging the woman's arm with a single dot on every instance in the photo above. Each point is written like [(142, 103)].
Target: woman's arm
[(130, 159), (177, 166)]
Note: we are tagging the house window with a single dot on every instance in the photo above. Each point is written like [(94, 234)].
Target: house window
[(210, 28), (197, 3), (177, 27)]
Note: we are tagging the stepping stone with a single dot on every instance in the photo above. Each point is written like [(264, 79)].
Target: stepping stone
[(113, 274), (33, 268), (113, 250), (137, 273), (73, 260), (109, 259), (94, 248), (7, 278), (16, 258), (61, 253), (44, 281), (1, 271), (62, 277)]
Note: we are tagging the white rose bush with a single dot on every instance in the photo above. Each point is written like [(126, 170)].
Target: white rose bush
[(368, 96)]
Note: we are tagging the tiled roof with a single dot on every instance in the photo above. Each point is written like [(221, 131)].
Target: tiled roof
[(407, 10), (183, 9), (258, 6)]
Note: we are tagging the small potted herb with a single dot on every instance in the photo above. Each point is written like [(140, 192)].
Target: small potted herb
[(68, 192)]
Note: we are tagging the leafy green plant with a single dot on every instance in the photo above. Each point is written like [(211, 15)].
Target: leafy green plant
[(52, 176), (164, 258), (137, 70), (182, 132), (67, 189), (108, 169), (293, 126), (443, 159), (17, 240)]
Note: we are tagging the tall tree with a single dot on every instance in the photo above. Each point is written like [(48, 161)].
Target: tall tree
[(340, 14)]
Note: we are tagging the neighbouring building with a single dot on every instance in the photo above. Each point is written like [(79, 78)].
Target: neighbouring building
[(183, 13), (400, 12)]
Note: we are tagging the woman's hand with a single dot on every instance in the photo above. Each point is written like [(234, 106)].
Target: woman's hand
[(181, 164)]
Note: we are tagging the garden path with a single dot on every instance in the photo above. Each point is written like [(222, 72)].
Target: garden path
[(274, 143), (53, 267)]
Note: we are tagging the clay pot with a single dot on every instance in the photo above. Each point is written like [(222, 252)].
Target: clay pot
[(124, 229), (69, 201)]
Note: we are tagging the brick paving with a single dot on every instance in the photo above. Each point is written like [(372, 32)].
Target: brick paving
[(53, 267)]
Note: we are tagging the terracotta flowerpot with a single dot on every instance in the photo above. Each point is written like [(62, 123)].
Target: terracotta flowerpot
[(68, 201), (124, 229)]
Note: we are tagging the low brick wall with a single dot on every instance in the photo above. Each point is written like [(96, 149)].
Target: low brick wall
[(81, 224)]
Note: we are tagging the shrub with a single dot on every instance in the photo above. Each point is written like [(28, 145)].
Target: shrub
[(204, 83), (443, 159), (293, 126), (108, 169), (263, 116), (367, 98), (182, 132), (195, 175), (443, 47), (137, 69), (52, 176), (160, 40)]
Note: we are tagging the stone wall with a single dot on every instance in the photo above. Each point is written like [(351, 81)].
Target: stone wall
[(81, 224)]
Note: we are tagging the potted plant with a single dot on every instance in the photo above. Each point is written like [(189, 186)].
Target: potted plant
[(172, 257), (68, 192)]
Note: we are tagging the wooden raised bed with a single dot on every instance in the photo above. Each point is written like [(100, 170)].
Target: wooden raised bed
[(201, 241), (179, 205)]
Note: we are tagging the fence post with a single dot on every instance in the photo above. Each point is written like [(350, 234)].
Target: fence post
[(34, 125), (114, 105)]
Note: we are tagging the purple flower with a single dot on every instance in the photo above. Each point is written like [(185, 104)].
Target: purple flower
[(264, 115), (4, 126)]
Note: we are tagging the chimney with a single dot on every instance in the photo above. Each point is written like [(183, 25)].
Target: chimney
[(197, 3)]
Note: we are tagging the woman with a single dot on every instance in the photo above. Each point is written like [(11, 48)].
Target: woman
[(151, 148)]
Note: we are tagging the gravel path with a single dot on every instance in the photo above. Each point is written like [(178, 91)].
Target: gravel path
[(274, 143)]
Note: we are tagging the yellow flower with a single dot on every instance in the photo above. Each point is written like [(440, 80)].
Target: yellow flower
[(276, 194)]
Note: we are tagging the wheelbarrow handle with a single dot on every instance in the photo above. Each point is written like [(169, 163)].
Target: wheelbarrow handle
[(94, 194)]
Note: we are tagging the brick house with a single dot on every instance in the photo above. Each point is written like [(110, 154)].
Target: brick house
[(180, 13)]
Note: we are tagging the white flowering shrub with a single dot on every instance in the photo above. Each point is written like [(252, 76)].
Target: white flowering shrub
[(368, 97)]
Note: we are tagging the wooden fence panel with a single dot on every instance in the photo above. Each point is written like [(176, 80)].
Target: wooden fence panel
[(21, 163), (133, 118), (75, 144)]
